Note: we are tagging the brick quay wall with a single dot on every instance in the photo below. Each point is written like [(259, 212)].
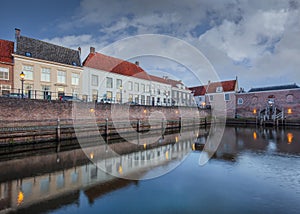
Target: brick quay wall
[(18, 111)]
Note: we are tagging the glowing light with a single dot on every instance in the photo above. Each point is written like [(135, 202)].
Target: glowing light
[(290, 137), (176, 112), (92, 110), (120, 170), (193, 147), (145, 111), (289, 111), (145, 145), (176, 139), (92, 155), (20, 198), (203, 104), (254, 135), (167, 155), (254, 111)]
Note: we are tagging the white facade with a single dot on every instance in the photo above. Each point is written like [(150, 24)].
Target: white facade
[(103, 86)]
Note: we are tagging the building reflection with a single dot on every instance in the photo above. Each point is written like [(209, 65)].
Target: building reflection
[(29, 182)]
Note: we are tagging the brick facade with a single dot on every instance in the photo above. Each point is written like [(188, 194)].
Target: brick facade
[(257, 101)]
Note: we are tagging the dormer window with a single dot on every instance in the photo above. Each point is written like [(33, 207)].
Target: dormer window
[(28, 54), (219, 89)]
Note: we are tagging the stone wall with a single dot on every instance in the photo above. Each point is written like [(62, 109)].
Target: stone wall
[(20, 111), (284, 99)]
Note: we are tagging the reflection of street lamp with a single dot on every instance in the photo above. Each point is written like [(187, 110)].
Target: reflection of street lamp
[(121, 88), (22, 76)]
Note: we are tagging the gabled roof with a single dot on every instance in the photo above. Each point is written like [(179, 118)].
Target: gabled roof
[(6, 50), (273, 88), (227, 86), (46, 51), (199, 90)]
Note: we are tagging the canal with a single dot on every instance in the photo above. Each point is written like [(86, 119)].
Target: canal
[(254, 170)]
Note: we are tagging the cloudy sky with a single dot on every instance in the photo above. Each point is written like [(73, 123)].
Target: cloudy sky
[(258, 41)]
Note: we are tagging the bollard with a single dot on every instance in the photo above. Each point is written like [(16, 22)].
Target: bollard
[(138, 125), (106, 126), (58, 137)]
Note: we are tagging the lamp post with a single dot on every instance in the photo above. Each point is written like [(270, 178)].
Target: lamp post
[(22, 77)]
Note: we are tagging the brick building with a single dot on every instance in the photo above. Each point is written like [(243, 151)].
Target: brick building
[(206, 95), (285, 98), (6, 66)]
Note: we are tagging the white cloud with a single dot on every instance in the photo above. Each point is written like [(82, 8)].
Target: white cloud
[(256, 40)]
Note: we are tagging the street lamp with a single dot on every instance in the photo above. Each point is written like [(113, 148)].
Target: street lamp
[(22, 77)]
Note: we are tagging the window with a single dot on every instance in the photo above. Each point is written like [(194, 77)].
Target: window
[(119, 84), (254, 100), (4, 74), (45, 75), (211, 98), (28, 71), (240, 101), (289, 98), (219, 89), (109, 95), (95, 95), (148, 88), (158, 91), (143, 87), (143, 99), (130, 86), (227, 97), (136, 98), (130, 98), (95, 80), (61, 76), (75, 79), (118, 97), (5, 89), (109, 82), (136, 86)]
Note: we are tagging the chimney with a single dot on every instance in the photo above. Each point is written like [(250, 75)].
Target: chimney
[(137, 63), (92, 50), (17, 32), (79, 50)]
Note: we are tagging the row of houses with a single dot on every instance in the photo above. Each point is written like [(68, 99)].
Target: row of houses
[(52, 71)]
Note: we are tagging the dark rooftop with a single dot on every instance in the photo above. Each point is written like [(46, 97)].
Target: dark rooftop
[(43, 50), (273, 88)]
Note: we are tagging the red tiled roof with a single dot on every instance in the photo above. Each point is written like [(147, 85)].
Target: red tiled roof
[(111, 64), (199, 90), (6, 50), (226, 85), (107, 63)]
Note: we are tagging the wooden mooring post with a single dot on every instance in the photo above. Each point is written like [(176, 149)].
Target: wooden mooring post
[(58, 135)]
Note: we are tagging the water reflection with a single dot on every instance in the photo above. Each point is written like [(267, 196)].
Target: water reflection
[(41, 183)]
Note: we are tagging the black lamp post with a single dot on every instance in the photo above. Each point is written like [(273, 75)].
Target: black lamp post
[(22, 77)]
